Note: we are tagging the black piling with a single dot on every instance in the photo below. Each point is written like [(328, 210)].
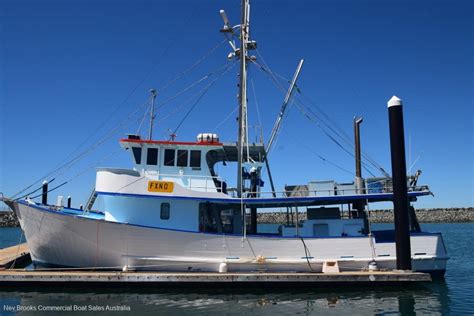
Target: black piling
[(358, 165), (44, 195), (399, 178), (68, 202)]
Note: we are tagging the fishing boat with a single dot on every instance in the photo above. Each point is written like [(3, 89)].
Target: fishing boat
[(173, 212)]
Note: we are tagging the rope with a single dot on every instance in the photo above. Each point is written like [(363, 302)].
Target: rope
[(29, 193), (372, 246), (17, 251), (51, 190), (306, 251)]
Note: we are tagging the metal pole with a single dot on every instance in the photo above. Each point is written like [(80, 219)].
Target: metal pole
[(357, 122), (152, 114), (242, 137), (297, 222), (359, 182), (289, 94), (44, 195), (399, 178), (267, 164)]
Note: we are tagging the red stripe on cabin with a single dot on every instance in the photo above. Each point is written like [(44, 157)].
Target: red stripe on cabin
[(162, 142)]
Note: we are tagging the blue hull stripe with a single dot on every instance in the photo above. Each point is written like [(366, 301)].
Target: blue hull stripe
[(287, 200)]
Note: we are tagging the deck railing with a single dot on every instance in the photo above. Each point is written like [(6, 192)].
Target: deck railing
[(329, 192)]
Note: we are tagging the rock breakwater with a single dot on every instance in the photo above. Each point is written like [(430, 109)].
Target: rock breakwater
[(434, 215), (8, 219)]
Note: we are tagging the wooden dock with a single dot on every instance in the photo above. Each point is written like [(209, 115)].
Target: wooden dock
[(15, 255), (75, 278), (19, 255)]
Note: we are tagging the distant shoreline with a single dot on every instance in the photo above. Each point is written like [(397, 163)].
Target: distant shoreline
[(433, 215)]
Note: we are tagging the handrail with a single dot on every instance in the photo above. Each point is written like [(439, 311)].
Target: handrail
[(333, 192)]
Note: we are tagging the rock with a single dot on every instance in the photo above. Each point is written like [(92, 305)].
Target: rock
[(8, 219)]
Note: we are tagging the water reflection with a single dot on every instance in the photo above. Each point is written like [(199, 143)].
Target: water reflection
[(406, 300)]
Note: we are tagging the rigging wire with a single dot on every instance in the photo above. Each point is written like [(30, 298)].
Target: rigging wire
[(344, 135), (50, 190), (317, 154), (301, 107), (34, 191), (257, 108), (167, 85), (127, 120), (192, 85), (194, 65), (140, 82), (66, 166), (229, 66), (225, 119), (341, 133)]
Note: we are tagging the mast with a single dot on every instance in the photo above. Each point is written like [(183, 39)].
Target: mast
[(152, 114), (242, 136)]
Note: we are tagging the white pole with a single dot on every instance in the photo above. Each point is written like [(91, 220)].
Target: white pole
[(152, 114), (289, 94)]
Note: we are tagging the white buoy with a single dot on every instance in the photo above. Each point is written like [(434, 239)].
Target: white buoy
[(125, 268), (223, 267), (373, 266)]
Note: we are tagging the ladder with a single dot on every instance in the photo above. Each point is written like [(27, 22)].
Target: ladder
[(91, 200)]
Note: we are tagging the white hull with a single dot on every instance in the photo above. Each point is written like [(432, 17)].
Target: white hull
[(55, 238)]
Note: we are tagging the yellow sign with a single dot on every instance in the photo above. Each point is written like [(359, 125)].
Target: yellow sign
[(160, 186)]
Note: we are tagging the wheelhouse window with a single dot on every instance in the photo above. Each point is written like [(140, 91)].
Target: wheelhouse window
[(152, 156), (169, 157), (165, 211), (195, 161), (182, 160), (216, 218), (137, 154)]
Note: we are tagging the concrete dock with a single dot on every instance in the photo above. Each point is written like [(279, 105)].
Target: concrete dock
[(15, 255), (19, 256)]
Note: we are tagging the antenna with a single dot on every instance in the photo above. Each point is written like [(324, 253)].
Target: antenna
[(227, 24), (152, 114)]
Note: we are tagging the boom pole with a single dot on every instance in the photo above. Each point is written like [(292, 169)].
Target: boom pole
[(289, 94)]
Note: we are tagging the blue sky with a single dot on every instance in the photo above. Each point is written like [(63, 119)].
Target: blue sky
[(72, 70)]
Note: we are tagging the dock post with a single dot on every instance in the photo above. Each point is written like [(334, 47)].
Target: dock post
[(69, 202), (399, 178), (44, 195)]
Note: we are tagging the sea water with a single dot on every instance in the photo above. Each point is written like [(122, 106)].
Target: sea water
[(453, 295)]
